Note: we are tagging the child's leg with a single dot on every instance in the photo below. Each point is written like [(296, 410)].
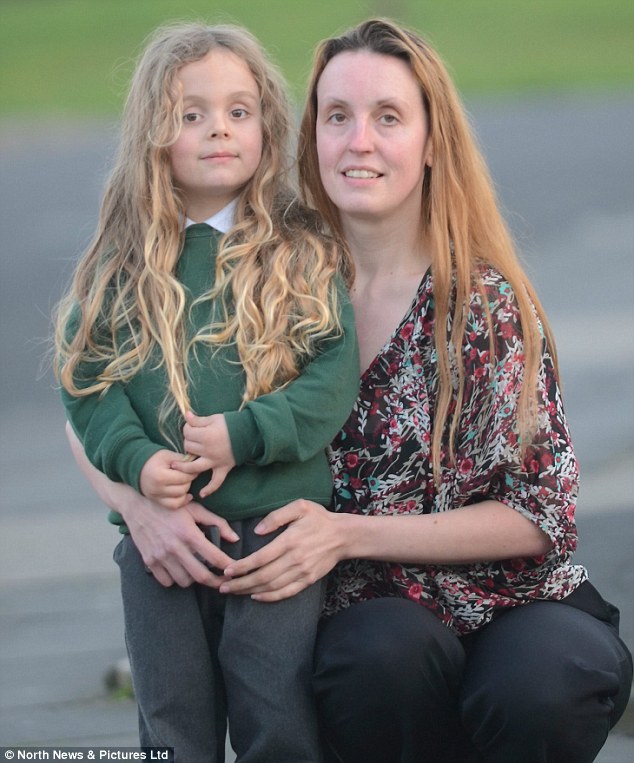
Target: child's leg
[(170, 635), (266, 653)]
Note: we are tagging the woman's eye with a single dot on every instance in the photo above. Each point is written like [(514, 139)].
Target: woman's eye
[(389, 119), (337, 118)]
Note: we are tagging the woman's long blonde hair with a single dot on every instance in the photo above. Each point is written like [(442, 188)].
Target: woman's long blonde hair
[(459, 213), (274, 269)]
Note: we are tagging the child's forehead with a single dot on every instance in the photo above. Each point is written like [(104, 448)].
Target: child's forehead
[(202, 96), (219, 70)]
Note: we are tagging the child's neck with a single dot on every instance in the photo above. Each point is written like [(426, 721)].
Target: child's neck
[(222, 218)]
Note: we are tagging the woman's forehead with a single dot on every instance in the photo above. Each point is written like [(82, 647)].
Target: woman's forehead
[(357, 75)]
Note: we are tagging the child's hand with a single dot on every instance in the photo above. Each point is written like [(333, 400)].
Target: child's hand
[(207, 437), (198, 466), (160, 483)]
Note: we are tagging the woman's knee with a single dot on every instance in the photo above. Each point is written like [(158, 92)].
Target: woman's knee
[(544, 672), (387, 646), (392, 661)]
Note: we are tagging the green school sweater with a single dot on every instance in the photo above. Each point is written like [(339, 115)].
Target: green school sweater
[(278, 440)]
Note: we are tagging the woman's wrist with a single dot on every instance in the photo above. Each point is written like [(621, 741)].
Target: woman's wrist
[(125, 500), (351, 535)]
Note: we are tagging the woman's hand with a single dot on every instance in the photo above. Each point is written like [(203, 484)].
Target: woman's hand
[(171, 543), (304, 552)]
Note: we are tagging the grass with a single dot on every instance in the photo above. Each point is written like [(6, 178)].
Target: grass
[(75, 56)]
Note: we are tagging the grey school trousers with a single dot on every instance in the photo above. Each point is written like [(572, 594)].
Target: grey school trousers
[(199, 658)]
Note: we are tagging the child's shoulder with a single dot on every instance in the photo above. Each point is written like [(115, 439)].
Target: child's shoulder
[(292, 216)]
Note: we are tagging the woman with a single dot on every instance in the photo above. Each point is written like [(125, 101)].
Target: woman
[(455, 476), (455, 480)]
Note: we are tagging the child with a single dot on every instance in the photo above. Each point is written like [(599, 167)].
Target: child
[(248, 324)]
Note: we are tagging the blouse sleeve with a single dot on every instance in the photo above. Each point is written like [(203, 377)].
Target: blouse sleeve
[(542, 482)]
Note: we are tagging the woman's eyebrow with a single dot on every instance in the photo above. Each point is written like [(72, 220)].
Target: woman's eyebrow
[(329, 100)]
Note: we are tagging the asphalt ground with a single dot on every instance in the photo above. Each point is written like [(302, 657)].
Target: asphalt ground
[(563, 167)]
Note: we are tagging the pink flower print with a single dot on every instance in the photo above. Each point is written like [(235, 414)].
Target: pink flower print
[(465, 466), (351, 459), (415, 591), (506, 330)]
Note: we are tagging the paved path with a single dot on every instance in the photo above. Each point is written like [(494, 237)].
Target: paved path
[(564, 164)]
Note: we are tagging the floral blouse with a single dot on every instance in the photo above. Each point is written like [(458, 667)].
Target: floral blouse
[(381, 460)]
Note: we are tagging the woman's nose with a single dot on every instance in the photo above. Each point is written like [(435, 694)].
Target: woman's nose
[(361, 136)]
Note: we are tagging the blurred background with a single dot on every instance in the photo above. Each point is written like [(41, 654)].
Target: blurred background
[(549, 85)]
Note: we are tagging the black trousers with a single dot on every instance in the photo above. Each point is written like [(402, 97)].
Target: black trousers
[(542, 683)]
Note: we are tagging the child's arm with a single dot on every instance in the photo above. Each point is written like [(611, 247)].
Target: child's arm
[(293, 423), (300, 420), (115, 442)]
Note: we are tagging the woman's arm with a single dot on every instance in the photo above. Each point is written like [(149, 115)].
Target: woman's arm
[(169, 541), (316, 539)]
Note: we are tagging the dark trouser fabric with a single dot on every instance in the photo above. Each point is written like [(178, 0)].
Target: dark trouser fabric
[(198, 658), (542, 683)]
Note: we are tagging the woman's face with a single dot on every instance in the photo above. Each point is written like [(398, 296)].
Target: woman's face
[(372, 136)]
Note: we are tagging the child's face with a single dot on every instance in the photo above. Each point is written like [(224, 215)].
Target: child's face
[(220, 144)]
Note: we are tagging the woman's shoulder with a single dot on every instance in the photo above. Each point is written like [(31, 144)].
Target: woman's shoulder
[(492, 283), (493, 312), (493, 293)]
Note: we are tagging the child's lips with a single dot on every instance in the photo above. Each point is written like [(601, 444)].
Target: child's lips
[(219, 155)]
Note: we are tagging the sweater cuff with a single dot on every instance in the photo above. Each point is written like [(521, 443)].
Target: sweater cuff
[(246, 440), (129, 459)]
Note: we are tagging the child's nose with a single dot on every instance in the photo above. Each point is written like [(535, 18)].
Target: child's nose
[(219, 127)]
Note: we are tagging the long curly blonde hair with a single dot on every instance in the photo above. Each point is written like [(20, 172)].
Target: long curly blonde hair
[(275, 269), (459, 213)]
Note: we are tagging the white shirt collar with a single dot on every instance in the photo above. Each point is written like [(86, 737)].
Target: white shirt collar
[(223, 220)]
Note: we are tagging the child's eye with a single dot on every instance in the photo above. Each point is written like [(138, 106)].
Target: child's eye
[(191, 116), (239, 113)]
